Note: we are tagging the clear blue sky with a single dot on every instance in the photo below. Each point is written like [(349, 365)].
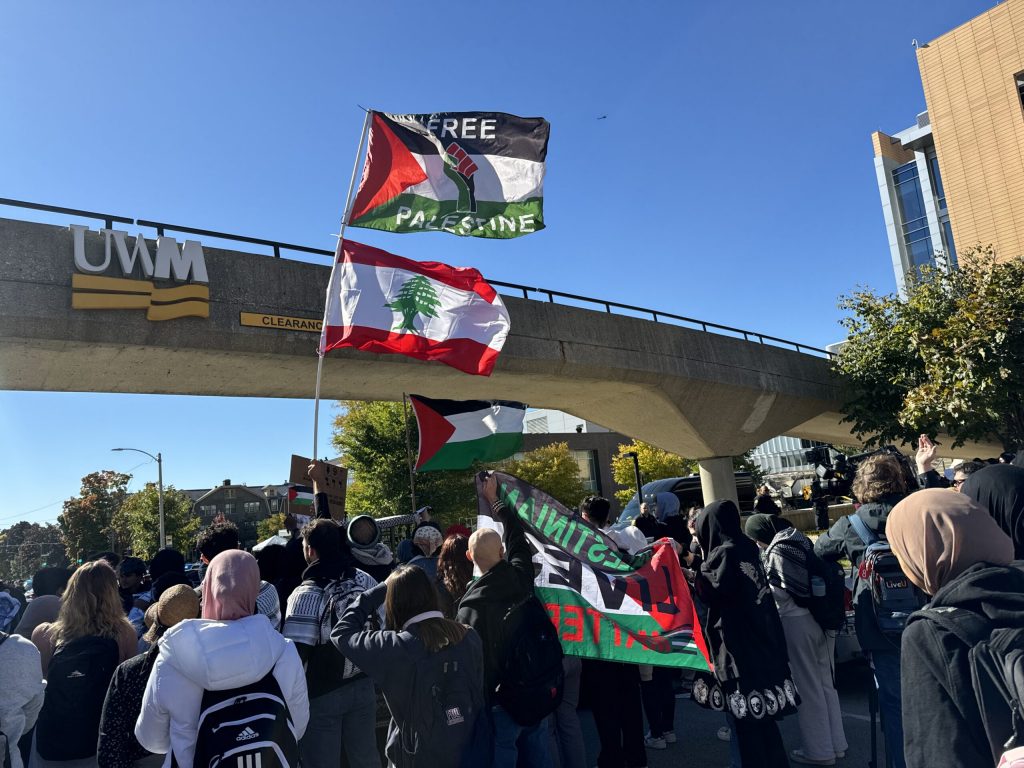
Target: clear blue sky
[(731, 181)]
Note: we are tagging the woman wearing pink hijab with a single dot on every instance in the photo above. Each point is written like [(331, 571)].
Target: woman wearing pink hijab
[(951, 548), (230, 647)]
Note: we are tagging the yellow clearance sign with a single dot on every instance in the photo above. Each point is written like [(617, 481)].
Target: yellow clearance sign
[(281, 322)]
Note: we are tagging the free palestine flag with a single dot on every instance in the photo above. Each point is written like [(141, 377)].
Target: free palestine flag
[(455, 433), (379, 302), (605, 604), (473, 174)]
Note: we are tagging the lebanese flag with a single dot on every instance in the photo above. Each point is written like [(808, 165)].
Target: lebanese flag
[(380, 302), (455, 433)]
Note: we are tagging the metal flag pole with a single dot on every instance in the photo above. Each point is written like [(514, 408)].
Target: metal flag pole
[(330, 281), (408, 454)]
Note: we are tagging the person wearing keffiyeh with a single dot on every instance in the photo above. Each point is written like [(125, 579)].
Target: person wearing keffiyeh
[(785, 552)]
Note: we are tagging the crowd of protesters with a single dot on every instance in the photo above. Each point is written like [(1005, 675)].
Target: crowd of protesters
[(124, 663)]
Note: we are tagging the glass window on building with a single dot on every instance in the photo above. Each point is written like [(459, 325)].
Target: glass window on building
[(229, 493), (275, 505), (251, 508), (587, 462), (207, 510), (229, 509), (937, 190), (1019, 80), (912, 214), (947, 242)]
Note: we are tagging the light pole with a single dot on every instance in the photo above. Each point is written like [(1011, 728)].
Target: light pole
[(160, 487)]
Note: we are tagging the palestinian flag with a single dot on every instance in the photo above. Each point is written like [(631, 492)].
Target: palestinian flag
[(605, 603), (300, 496), (473, 174), (455, 433), (379, 302)]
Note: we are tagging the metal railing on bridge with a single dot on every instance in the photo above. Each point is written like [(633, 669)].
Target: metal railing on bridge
[(527, 292)]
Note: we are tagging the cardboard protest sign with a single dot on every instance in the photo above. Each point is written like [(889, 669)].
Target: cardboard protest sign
[(335, 485), (604, 603)]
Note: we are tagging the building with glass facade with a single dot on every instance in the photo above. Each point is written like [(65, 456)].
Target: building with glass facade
[(783, 454), (913, 201), (955, 179)]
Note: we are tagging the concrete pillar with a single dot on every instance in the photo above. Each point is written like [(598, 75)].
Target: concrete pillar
[(717, 481)]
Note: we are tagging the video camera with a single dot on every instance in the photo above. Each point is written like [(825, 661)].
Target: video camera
[(834, 476)]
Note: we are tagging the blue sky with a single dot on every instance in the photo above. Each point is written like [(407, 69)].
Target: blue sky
[(732, 180)]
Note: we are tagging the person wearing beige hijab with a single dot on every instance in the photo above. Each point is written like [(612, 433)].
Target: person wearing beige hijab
[(951, 548)]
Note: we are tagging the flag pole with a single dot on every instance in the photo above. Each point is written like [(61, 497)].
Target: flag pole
[(408, 454), (330, 281)]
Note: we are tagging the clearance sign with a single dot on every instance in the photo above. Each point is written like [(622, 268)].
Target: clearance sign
[(173, 282)]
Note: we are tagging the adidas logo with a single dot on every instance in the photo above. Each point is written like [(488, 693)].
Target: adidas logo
[(247, 734), (75, 674)]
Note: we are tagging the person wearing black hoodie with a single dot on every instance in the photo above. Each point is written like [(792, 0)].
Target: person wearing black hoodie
[(879, 485), (504, 583), (342, 700), (952, 549), (1000, 489)]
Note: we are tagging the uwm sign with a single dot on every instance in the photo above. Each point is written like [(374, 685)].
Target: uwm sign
[(168, 283)]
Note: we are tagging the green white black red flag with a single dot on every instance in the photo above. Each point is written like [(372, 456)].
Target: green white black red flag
[(456, 433), (473, 174), (605, 604)]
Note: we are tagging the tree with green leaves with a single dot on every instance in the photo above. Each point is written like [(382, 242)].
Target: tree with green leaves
[(655, 464), (270, 526), (87, 522), (551, 468), (139, 519), (26, 547), (416, 297), (947, 358), (370, 436)]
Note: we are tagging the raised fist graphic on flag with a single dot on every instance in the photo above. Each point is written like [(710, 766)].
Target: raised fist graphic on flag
[(459, 167)]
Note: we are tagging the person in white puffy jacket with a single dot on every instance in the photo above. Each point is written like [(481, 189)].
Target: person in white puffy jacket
[(229, 647)]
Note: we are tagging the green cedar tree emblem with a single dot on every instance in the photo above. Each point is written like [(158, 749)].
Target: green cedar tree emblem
[(416, 297)]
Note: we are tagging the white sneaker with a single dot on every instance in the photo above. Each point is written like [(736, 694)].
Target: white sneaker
[(654, 742), (724, 734), (670, 737)]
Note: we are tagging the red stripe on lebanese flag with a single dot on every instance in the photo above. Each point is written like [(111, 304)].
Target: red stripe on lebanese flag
[(464, 354), (462, 278)]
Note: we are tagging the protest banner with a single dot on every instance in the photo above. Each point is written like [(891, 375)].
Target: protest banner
[(335, 485), (604, 603)]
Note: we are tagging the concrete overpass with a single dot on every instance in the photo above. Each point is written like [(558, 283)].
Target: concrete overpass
[(701, 394)]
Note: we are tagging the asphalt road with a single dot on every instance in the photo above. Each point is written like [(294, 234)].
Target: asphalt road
[(698, 745)]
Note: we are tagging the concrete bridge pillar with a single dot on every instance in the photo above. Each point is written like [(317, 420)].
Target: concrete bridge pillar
[(717, 481)]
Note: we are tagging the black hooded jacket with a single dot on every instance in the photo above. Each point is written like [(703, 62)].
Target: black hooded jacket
[(744, 631), (941, 721), (488, 599), (1000, 489), (841, 541)]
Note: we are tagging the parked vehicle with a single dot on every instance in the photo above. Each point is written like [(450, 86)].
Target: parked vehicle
[(688, 491)]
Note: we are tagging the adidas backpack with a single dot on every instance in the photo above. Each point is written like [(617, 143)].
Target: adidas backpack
[(76, 685), (248, 727), (532, 679), (893, 597), (447, 714)]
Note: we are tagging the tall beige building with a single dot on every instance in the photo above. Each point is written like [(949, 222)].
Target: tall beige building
[(955, 179)]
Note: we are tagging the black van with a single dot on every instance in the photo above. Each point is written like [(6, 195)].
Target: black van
[(688, 491)]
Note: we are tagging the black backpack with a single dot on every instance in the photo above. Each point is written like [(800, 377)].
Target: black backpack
[(532, 679), (338, 594), (76, 684), (996, 658), (247, 727), (893, 596), (829, 610), (446, 713)]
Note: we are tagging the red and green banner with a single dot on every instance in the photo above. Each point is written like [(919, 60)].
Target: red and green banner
[(472, 174), (606, 604), (456, 433)]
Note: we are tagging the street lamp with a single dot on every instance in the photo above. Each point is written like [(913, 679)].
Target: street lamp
[(160, 487)]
